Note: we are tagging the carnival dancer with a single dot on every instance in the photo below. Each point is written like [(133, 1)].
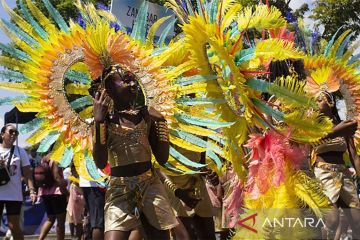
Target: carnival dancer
[(222, 197), (190, 200), (126, 139), (331, 170)]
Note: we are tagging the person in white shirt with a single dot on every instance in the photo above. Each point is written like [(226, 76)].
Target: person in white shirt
[(94, 195), (11, 193)]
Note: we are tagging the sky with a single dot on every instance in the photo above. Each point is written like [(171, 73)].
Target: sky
[(295, 4)]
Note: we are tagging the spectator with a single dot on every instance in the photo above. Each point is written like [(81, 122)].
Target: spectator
[(94, 196), (76, 205), (15, 161), (54, 194)]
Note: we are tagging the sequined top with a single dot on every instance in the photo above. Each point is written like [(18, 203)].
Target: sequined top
[(128, 145), (334, 145)]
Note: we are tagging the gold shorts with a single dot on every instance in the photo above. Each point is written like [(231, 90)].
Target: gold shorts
[(203, 209), (127, 197), (337, 183)]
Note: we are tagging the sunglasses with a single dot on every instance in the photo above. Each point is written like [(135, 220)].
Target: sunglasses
[(12, 132)]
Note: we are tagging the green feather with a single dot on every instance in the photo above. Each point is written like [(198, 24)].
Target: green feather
[(42, 33), (189, 7), (354, 58), (139, 29), (67, 157), (268, 110), (16, 53), (20, 33), (330, 44), (13, 76), (258, 84), (292, 91), (215, 158), (78, 77), (244, 55), (165, 33), (56, 16), (31, 126), (199, 101), (213, 10), (184, 160), (48, 141), (10, 100), (173, 169), (194, 79), (91, 167), (81, 102), (341, 49), (201, 121)]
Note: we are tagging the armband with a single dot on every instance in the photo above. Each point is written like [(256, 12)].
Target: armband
[(162, 131), (100, 133), (170, 185)]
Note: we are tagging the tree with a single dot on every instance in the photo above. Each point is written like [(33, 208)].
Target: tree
[(333, 14)]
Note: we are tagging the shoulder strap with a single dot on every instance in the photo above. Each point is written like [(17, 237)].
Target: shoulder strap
[(10, 157)]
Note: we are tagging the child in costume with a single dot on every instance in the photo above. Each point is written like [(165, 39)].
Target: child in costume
[(135, 197)]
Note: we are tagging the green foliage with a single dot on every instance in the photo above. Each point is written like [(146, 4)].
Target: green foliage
[(160, 2), (332, 14)]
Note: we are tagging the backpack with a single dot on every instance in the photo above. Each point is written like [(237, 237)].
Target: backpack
[(43, 176)]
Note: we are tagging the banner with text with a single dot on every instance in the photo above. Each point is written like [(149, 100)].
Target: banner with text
[(127, 10)]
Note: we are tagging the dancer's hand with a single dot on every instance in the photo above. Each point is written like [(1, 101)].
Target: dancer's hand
[(100, 106), (2, 163), (187, 196), (212, 177), (346, 128), (33, 197)]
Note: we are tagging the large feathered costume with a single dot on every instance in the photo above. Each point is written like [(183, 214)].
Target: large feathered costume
[(207, 82)]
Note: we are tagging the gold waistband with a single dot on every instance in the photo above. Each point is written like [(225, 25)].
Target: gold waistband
[(331, 166), (128, 181), (333, 145)]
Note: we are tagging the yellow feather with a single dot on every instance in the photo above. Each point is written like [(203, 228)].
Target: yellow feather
[(185, 144), (262, 18), (321, 75), (308, 127), (81, 67), (26, 27), (79, 89), (231, 15), (180, 69), (17, 41), (39, 135), (59, 149), (80, 165), (40, 17), (154, 28), (196, 130), (86, 113), (31, 106), (338, 42), (277, 49), (12, 63)]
